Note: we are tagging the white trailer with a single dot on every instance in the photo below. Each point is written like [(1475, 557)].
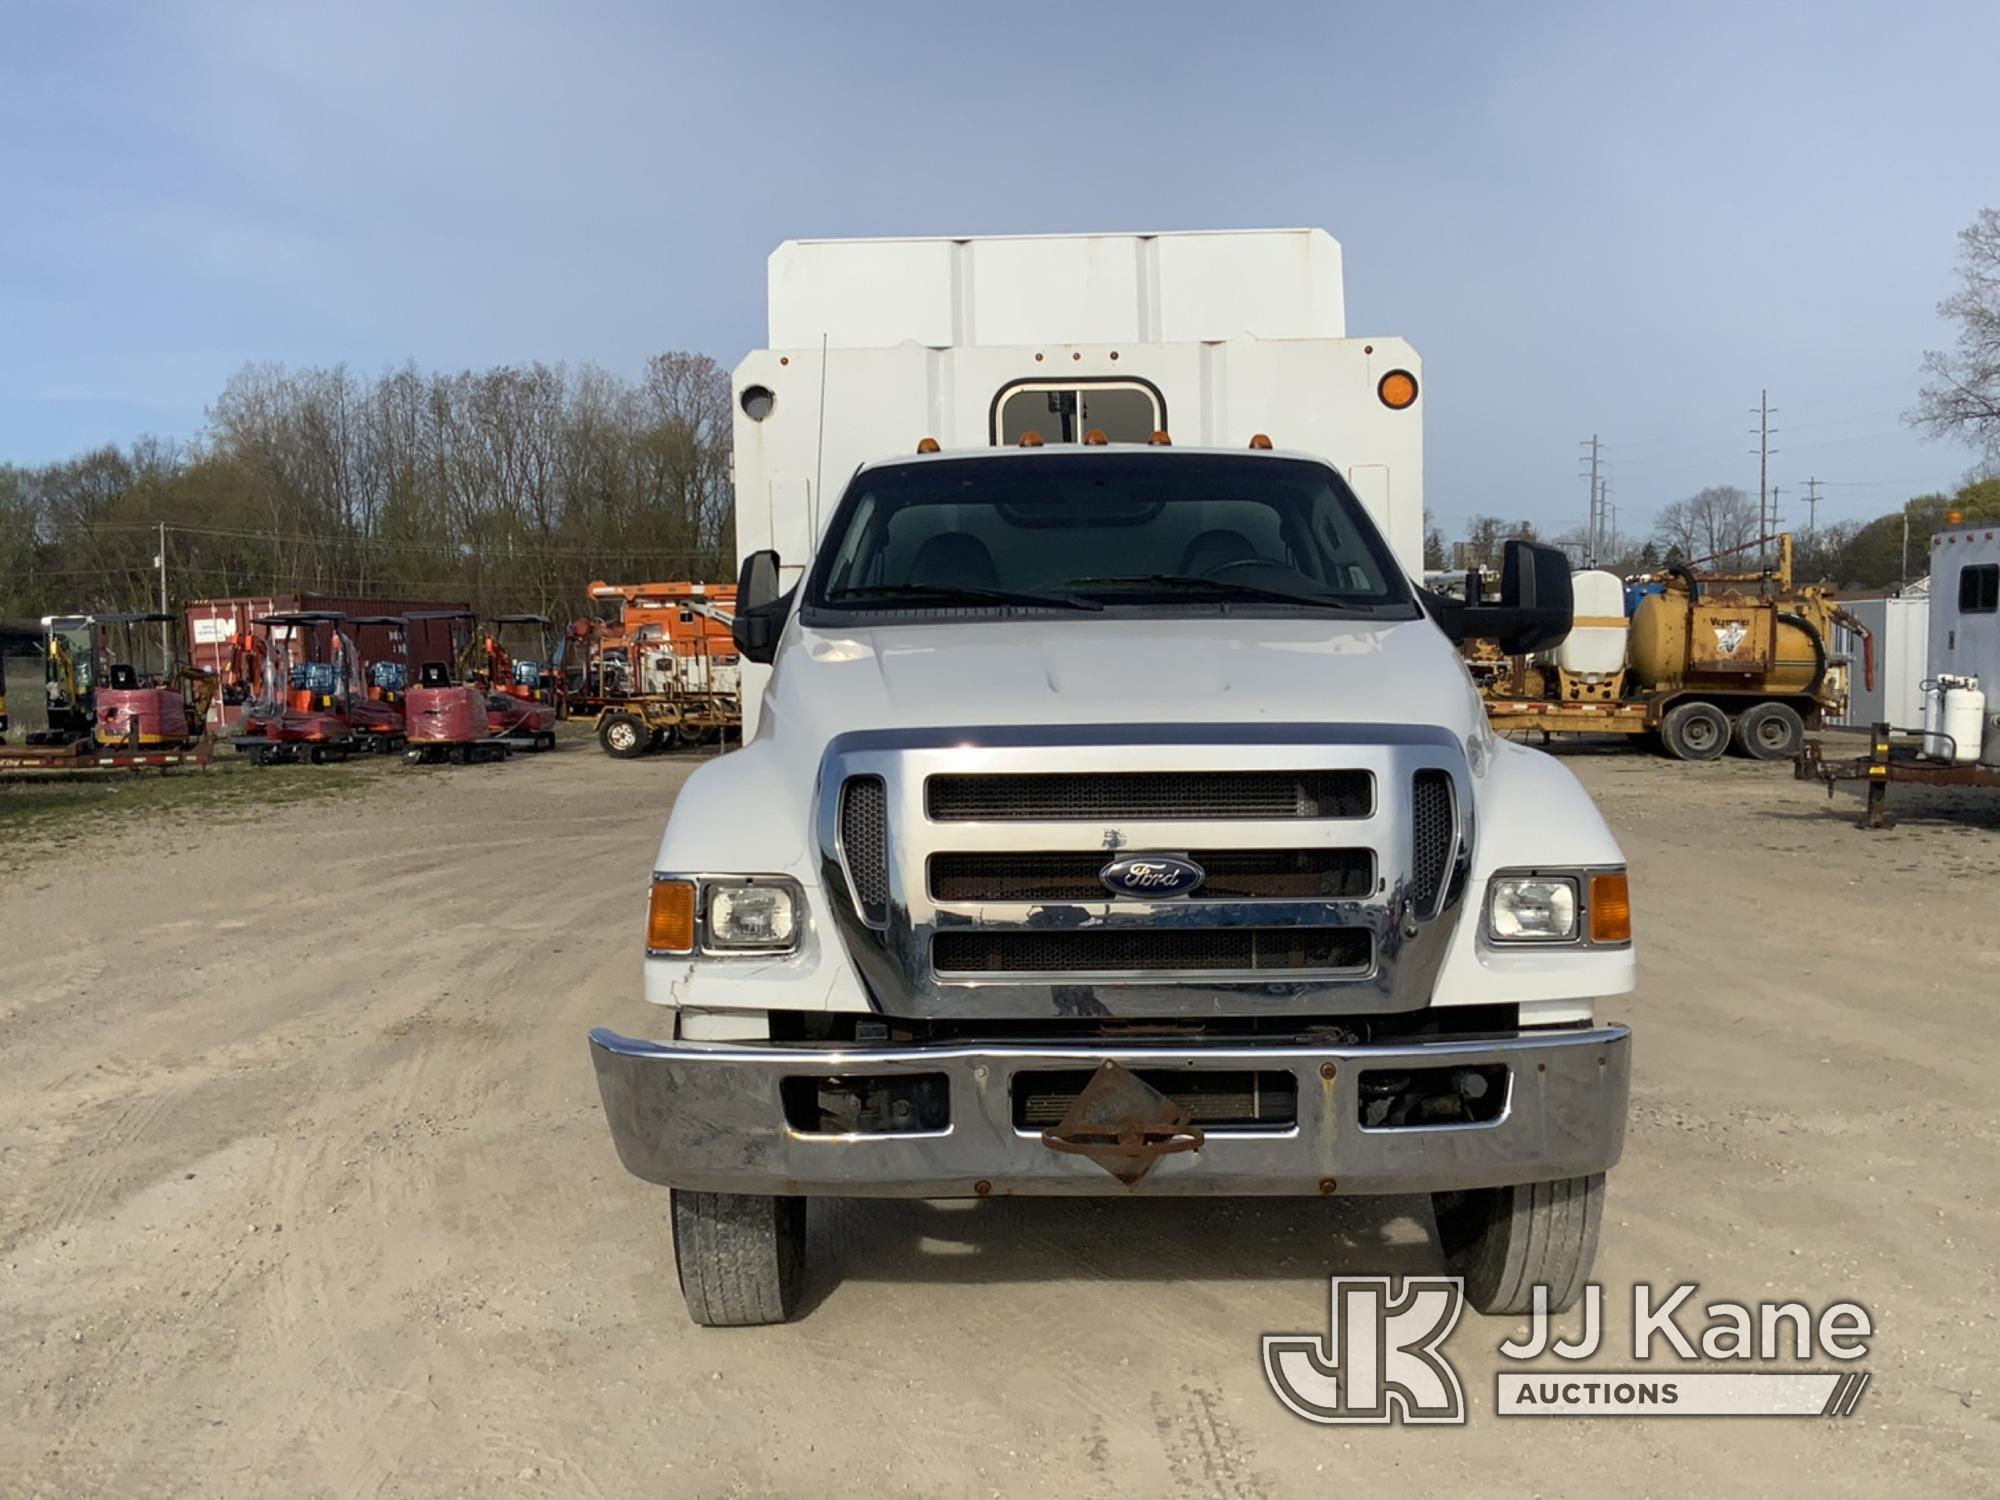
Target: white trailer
[(1898, 628), (1211, 337), (1965, 604)]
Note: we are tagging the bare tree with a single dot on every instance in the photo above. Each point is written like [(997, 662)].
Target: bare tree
[(1717, 520), (1961, 395), (511, 488)]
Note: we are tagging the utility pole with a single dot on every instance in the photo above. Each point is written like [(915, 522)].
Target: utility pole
[(1596, 500), (1812, 506), (1767, 519), (166, 654)]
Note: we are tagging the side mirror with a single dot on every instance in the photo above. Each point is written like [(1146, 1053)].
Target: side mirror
[(760, 607), (1536, 608)]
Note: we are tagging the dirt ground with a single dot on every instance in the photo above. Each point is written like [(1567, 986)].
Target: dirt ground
[(304, 1187)]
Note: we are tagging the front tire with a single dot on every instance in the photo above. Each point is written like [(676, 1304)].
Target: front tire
[(740, 1256), (1506, 1241), (1695, 731)]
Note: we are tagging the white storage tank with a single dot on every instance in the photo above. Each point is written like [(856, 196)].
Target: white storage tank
[(1596, 643), (1954, 719)]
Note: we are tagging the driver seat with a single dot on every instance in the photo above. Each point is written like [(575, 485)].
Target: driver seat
[(954, 559), (1215, 549)]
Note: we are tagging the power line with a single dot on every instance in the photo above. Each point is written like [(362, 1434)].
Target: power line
[(424, 549)]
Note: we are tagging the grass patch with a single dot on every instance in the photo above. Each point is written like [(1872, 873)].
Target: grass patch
[(39, 815)]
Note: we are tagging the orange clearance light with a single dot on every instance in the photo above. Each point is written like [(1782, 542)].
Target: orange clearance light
[(1160, 440), (670, 917), (1260, 441), (1610, 908), (1031, 440), (1953, 517), (1095, 438), (927, 445), (1398, 389)]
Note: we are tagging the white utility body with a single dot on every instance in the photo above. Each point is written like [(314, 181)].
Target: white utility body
[(1118, 816), (1212, 337)]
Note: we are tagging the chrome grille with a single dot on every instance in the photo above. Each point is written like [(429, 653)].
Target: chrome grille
[(864, 841), (1092, 795), (1232, 875), (1432, 829), (964, 871), (1125, 951)]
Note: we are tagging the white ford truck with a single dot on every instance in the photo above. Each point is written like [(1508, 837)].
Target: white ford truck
[(1118, 817)]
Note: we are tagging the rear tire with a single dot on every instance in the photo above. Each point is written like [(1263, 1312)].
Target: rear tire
[(740, 1257), (623, 736), (1770, 731), (1695, 731), (1506, 1241)]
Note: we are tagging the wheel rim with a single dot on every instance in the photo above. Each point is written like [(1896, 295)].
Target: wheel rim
[(1699, 734), (1773, 733), (622, 737)]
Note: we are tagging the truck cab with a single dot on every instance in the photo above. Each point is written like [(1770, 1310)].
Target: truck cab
[(1119, 818)]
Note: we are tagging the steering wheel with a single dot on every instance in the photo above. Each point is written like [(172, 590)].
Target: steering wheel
[(1241, 563)]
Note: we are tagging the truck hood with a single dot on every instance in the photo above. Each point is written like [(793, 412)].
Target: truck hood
[(1091, 670)]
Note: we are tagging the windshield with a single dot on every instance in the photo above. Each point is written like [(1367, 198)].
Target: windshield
[(1087, 531)]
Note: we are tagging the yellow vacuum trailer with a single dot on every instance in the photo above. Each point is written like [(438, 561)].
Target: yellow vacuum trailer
[(1711, 660)]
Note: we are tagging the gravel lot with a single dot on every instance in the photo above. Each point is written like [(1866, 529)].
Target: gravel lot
[(304, 1188)]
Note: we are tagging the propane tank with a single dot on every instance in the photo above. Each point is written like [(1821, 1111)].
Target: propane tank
[(1963, 720), (1929, 746)]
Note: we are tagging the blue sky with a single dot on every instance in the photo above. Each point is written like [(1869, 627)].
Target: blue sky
[(1607, 218)]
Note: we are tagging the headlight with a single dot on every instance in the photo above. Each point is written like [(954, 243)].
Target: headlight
[(747, 916), (1532, 909)]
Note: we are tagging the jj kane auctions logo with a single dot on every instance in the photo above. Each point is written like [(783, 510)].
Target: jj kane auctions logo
[(1382, 1358)]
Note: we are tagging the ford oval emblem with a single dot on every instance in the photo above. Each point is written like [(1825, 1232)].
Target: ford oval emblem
[(1152, 875)]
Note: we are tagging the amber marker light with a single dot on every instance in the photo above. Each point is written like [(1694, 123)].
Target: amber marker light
[(670, 917), (1398, 389), (1610, 908)]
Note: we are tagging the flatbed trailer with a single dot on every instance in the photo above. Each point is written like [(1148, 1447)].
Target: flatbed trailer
[(1513, 715), (1886, 762), (630, 727), (85, 755)]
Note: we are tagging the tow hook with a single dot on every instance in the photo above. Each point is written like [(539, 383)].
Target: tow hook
[(1124, 1124)]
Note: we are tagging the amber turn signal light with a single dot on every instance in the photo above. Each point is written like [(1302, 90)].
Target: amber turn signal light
[(1160, 440), (1095, 438), (927, 445), (1031, 440), (1260, 441), (670, 917), (1397, 389), (1610, 908)]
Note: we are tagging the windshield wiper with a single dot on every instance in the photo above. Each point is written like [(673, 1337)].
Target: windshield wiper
[(949, 594), (1189, 583)]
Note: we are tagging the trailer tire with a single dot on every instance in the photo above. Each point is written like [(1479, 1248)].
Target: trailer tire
[(1695, 731), (1770, 731), (1506, 1241), (740, 1256), (660, 739), (622, 736)]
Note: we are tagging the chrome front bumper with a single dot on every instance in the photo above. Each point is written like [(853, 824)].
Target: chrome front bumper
[(709, 1116)]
